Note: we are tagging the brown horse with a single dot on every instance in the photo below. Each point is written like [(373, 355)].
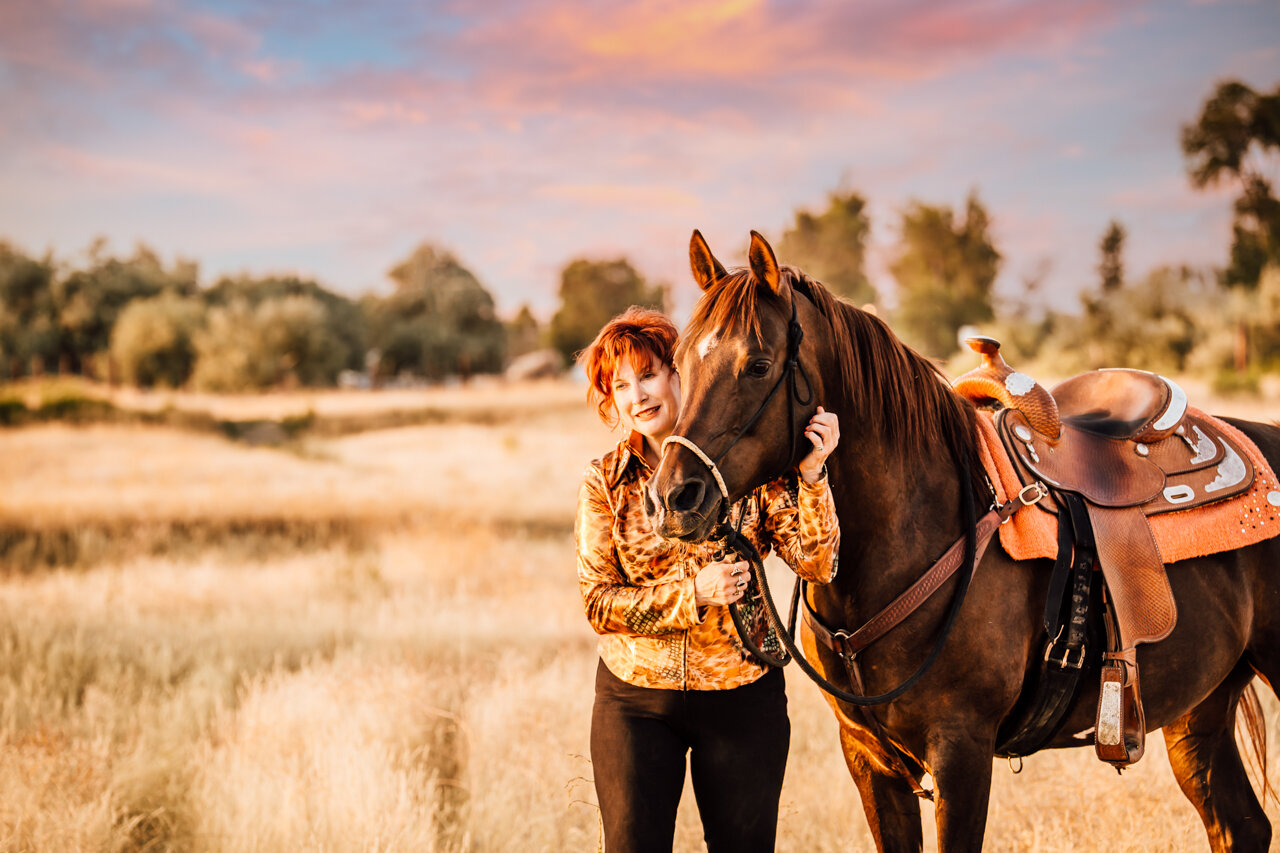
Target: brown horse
[(896, 481)]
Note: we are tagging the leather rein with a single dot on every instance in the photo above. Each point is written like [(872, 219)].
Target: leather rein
[(966, 552)]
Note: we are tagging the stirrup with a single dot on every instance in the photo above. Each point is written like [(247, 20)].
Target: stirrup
[(1120, 734)]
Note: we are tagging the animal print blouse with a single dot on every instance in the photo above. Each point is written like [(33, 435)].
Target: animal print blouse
[(638, 587)]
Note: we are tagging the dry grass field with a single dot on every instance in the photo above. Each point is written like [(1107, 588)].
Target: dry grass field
[(373, 641)]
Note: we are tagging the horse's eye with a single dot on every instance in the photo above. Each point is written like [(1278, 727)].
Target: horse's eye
[(758, 368)]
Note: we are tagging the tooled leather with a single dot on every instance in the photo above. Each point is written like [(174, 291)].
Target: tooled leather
[(907, 603), (1174, 455), (1133, 397), (1136, 580), (1105, 471), (983, 384)]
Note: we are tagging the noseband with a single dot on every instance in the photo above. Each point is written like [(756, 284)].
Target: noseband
[(792, 368)]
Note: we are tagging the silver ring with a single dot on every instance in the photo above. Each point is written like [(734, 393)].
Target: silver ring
[(742, 584), (819, 446), (735, 572)]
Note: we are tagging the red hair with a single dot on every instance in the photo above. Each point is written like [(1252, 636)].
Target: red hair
[(637, 334)]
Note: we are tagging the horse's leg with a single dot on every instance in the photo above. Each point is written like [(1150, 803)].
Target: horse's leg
[(1207, 765), (893, 811), (961, 765)]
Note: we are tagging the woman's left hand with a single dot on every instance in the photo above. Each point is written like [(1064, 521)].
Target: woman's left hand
[(824, 431)]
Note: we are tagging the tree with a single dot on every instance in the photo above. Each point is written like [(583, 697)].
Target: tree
[(153, 341), (1111, 265), (90, 299), (344, 318), (944, 270), (1100, 308), (439, 321), (522, 333), (1235, 140), (283, 340), (831, 246), (591, 294), (28, 313)]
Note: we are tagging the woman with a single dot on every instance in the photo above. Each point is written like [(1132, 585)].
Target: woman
[(673, 675)]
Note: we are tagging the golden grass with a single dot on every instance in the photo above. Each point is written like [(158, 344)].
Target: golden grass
[(421, 679)]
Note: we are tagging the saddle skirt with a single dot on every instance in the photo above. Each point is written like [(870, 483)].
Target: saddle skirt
[(1237, 520)]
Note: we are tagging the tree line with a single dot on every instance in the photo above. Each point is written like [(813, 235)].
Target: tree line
[(135, 319)]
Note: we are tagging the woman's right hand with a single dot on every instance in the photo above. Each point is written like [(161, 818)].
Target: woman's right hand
[(721, 582)]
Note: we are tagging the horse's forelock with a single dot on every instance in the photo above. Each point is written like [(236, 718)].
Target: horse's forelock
[(732, 306)]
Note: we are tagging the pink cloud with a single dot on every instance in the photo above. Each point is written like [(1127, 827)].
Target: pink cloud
[(670, 199), (553, 54)]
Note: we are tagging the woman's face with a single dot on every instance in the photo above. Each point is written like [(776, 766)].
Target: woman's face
[(648, 399)]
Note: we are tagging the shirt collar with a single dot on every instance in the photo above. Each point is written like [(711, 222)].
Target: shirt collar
[(630, 448)]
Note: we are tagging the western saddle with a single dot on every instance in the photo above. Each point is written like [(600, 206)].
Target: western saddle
[(1112, 447)]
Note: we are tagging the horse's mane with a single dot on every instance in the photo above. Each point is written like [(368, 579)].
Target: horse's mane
[(893, 390)]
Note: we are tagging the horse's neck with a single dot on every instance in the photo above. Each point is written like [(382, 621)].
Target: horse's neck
[(899, 511)]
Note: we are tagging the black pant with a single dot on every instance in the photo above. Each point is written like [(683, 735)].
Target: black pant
[(739, 740)]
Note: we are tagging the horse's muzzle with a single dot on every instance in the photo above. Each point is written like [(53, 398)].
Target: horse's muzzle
[(685, 508)]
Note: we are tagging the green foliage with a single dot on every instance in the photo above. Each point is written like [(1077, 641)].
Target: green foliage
[(1153, 324), (523, 333), (13, 410), (89, 300), (1111, 265), (831, 246), (1237, 139), (1233, 120), (439, 321), (344, 317), (153, 341), (1229, 382), (591, 294), (297, 334), (944, 269), (28, 315), (67, 400), (283, 340)]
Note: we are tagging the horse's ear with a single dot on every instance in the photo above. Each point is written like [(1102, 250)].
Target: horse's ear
[(706, 269), (764, 263)]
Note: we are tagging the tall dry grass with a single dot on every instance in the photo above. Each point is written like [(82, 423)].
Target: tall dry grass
[(371, 642)]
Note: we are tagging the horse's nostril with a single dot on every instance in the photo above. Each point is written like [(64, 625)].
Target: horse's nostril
[(685, 497)]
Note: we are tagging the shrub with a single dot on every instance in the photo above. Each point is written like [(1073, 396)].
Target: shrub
[(153, 342)]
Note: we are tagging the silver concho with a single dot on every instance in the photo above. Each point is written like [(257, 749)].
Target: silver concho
[(1019, 383)]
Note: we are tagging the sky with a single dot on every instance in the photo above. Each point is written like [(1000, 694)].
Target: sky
[(328, 138)]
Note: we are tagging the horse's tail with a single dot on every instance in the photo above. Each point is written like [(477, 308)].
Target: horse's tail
[(1249, 710)]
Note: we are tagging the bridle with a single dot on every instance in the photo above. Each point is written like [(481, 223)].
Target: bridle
[(791, 369), (961, 554)]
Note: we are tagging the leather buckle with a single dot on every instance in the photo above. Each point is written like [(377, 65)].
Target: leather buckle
[(1066, 662), (841, 639), (1040, 490)]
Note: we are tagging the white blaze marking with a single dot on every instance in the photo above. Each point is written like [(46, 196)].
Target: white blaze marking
[(707, 344)]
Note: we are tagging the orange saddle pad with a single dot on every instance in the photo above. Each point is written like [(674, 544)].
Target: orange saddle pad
[(1233, 523)]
